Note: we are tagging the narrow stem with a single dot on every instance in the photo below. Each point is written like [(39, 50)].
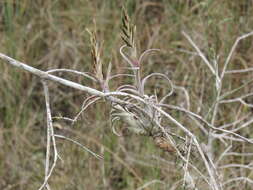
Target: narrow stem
[(45, 75), (137, 74)]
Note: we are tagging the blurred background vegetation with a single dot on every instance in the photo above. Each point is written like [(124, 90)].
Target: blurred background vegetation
[(51, 34)]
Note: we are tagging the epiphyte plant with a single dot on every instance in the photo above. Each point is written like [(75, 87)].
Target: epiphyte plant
[(136, 109)]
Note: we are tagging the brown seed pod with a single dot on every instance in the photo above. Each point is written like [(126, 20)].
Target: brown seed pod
[(163, 144)]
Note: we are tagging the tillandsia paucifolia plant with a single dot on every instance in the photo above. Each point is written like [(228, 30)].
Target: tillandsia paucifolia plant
[(137, 109)]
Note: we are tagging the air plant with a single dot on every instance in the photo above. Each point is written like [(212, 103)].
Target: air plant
[(139, 115)]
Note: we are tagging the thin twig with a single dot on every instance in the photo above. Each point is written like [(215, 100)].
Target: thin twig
[(50, 134), (84, 74), (79, 144), (232, 51), (45, 75), (199, 52)]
